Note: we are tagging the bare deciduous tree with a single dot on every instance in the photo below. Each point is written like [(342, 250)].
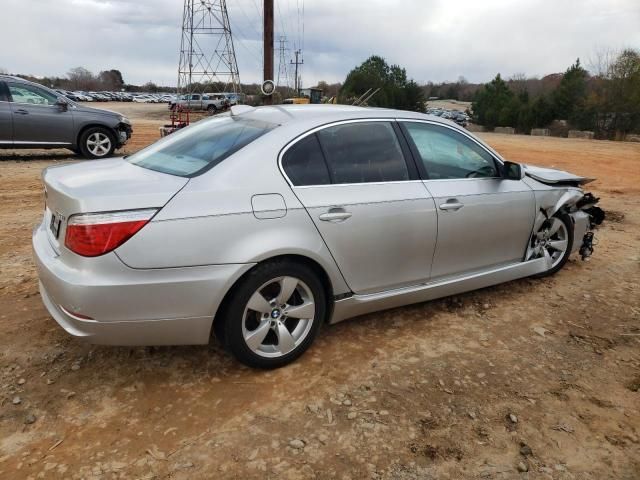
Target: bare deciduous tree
[(81, 79)]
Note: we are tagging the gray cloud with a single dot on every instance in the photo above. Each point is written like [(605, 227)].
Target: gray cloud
[(434, 39)]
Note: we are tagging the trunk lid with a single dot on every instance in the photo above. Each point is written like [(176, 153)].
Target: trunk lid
[(102, 186)]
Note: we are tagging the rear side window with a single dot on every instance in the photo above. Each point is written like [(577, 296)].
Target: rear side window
[(363, 152), (193, 150), (304, 163)]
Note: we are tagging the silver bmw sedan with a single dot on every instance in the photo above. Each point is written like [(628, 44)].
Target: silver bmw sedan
[(263, 224)]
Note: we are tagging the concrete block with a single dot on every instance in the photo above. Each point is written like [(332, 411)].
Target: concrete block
[(505, 130), (584, 134), (472, 127), (540, 132)]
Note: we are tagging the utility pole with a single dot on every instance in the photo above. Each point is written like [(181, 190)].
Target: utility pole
[(299, 61), (268, 46)]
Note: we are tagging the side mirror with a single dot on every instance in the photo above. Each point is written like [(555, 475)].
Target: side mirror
[(62, 104), (511, 171)]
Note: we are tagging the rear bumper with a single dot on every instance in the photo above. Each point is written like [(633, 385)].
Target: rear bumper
[(174, 331), (168, 306)]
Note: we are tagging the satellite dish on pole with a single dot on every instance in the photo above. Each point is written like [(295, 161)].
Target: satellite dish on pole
[(268, 87)]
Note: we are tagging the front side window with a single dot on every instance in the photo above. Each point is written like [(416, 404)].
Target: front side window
[(31, 95), (195, 149), (363, 152), (447, 154), (304, 163)]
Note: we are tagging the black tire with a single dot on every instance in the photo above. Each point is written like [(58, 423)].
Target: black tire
[(566, 220), (211, 109), (91, 134), (233, 314)]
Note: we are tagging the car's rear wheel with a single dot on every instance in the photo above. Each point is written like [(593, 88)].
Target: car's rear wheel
[(274, 314), (211, 109), (554, 241), (97, 142)]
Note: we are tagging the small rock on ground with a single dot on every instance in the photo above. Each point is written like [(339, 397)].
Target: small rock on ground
[(296, 443)]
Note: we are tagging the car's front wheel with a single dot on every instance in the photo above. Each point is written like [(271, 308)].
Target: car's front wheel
[(554, 241), (97, 142), (274, 314), (211, 109)]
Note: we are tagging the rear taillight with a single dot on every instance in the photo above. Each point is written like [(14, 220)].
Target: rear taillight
[(94, 234)]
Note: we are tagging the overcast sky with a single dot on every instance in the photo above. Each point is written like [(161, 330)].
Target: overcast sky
[(433, 39)]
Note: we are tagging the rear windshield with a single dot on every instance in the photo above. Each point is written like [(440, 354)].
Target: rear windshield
[(193, 150)]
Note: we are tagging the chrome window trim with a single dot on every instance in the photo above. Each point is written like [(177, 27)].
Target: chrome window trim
[(329, 125), (484, 147), (459, 179), (34, 104), (404, 182)]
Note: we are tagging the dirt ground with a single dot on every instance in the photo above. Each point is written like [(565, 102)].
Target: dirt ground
[(534, 379)]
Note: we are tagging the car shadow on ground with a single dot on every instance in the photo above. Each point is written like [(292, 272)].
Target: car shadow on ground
[(358, 338), (40, 155)]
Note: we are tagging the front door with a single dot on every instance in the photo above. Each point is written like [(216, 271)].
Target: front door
[(483, 219), (374, 214), (36, 117)]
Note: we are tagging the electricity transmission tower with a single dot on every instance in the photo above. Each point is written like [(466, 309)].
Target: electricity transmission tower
[(283, 74), (207, 56)]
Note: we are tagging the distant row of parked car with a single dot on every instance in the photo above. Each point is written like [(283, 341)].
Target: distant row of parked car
[(457, 116), (82, 96)]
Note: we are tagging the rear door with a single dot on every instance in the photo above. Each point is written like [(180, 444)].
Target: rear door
[(36, 117), (6, 121), (483, 219), (361, 189)]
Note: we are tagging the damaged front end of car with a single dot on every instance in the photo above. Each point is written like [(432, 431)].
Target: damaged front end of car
[(559, 192)]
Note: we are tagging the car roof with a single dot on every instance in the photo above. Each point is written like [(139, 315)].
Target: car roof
[(325, 113), (15, 79)]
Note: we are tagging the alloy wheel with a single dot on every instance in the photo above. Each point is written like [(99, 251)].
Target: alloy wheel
[(99, 144), (278, 317), (551, 241)]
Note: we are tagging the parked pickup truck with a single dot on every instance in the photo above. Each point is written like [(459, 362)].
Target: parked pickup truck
[(200, 102)]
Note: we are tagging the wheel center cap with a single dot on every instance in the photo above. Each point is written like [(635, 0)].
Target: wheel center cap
[(275, 313)]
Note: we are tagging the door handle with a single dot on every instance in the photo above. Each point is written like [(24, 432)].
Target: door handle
[(21, 111), (335, 215), (451, 204)]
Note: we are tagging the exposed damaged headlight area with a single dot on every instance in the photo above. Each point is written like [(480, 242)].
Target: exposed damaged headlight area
[(587, 204)]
